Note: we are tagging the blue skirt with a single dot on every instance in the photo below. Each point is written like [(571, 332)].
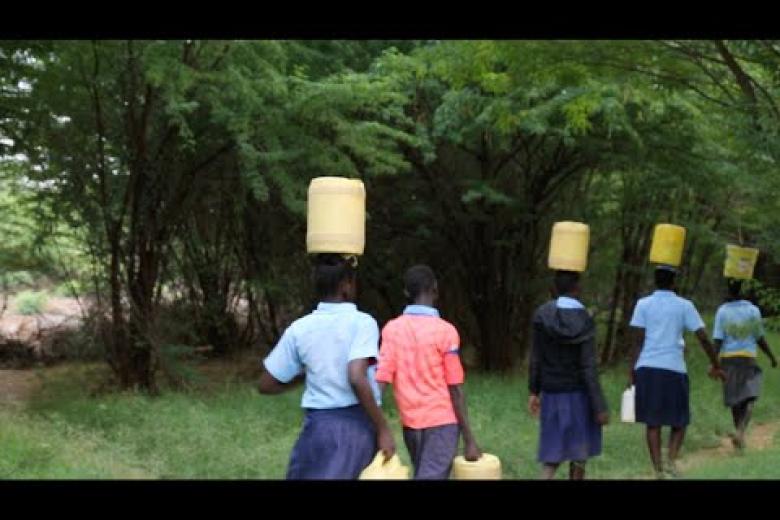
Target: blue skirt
[(333, 444), (568, 430), (662, 397)]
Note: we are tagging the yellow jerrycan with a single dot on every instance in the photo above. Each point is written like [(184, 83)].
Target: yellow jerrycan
[(569, 246), (336, 216), (381, 470), (668, 244), (487, 467), (740, 262)]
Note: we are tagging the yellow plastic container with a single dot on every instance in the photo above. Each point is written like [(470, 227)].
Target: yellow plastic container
[(336, 216), (740, 262), (381, 470), (668, 244), (569, 246), (488, 467)]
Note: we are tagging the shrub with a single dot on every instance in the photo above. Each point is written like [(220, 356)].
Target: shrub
[(30, 302), (69, 289)]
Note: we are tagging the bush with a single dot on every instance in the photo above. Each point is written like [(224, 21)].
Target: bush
[(69, 289), (30, 302), (16, 279)]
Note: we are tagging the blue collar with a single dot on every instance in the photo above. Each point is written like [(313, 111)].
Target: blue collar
[(566, 302), (421, 310), (336, 307), (663, 292)]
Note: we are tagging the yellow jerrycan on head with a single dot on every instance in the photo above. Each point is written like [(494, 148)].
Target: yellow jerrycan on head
[(668, 244), (381, 470), (569, 247), (740, 262), (487, 467), (336, 216)]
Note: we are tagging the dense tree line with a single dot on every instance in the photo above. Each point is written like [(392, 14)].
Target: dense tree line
[(176, 172)]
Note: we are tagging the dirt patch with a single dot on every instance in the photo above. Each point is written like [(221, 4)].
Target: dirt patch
[(25, 340), (17, 386), (759, 437)]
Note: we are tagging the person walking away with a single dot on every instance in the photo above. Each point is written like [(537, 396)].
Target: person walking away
[(420, 357), (737, 331), (658, 368), (563, 383), (334, 347)]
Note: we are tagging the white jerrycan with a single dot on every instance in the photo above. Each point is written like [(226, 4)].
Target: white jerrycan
[(627, 413)]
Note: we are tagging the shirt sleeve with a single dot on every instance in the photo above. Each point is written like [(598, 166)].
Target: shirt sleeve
[(693, 321), (760, 327), (638, 318), (366, 341), (717, 329), (283, 363), (385, 372), (453, 369), (535, 363)]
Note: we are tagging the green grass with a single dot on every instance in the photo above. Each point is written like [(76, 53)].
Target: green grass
[(229, 431)]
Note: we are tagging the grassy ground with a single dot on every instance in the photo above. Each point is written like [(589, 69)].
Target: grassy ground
[(228, 431)]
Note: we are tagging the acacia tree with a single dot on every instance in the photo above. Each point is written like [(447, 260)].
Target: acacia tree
[(130, 133), (514, 133)]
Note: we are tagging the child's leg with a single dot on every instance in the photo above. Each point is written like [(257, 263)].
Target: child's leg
[(654, 446), (675, 443), (747, 412), (413, 440), (548, 470), (577, 470), (736, 415)]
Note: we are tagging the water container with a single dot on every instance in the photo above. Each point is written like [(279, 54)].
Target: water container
[(627, 413), (569, 246), (381, 470), (336, 216), (487, 467), (667, 246), (740, 262)]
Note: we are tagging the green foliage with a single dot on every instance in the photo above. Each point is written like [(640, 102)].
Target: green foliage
[(31, 302)]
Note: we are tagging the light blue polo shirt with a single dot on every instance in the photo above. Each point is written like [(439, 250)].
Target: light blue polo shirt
[(665, 317), (738, 325), (322, 344)]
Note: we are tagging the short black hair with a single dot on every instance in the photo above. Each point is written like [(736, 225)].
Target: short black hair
[(566, 281), (330, 269), (664, 278), (734, 288), (417, 280)]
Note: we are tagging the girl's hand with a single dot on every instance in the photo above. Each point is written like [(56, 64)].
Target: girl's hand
[(602, 418), (472, 452), (386, 443), (717, 373), (534, 405)]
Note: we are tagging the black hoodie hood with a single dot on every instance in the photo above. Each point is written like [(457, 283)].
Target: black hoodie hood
[(565, 326)]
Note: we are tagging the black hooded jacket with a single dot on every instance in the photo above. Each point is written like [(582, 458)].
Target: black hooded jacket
[(563, 357)]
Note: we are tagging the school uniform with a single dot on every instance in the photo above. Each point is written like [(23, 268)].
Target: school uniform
[(738, 325), (661, 377), (564, 373), (420, 358), (338, 439)]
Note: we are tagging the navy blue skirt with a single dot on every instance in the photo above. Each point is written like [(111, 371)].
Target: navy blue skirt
[(662, 397), (334, 444), (568, 429)]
